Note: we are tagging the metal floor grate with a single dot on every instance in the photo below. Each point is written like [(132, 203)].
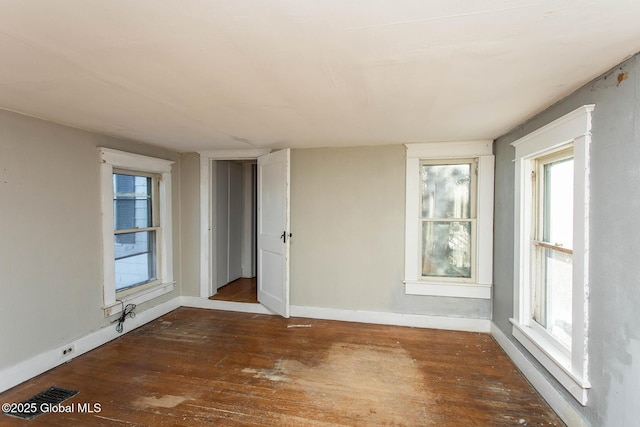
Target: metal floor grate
[(32, 407)]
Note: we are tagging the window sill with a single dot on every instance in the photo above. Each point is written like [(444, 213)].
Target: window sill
[(553, 360), (452, 289), (138, 298)]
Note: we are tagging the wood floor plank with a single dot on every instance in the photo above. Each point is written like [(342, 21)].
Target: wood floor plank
[(197, 367), (240, 290)]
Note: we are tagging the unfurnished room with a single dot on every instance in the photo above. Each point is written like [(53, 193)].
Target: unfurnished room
[(319, 213)]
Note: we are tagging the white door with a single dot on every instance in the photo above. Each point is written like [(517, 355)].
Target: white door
[(273, 231)]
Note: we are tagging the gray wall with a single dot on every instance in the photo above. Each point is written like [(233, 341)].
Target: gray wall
[(347, 219), (614, 235), (50, 234)]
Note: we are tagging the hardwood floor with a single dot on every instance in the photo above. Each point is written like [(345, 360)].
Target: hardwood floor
[(196, 367), (241, 290)]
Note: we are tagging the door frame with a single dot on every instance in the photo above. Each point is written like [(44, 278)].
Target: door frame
[(207, 232)]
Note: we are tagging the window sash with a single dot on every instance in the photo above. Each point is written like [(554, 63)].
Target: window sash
[(454, 256), (546, 289), (541, 190), (153, 205), (151, 247), (140, 267), (473, 187), (464, 218)]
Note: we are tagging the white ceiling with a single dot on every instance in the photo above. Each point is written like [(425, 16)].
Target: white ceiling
[(204, 74)]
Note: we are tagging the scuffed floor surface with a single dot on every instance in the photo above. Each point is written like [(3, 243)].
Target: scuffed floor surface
[(202, 367)]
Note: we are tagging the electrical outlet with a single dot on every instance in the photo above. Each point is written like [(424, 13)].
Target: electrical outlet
[(67, 351)]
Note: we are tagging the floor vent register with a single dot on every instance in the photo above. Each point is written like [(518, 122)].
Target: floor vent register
[(39, 404)]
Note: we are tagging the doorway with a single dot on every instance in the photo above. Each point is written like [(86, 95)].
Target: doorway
[(234, 214), (272, 213)]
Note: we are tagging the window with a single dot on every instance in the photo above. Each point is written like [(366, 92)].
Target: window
[(136, 206), (449, 219), (552, 243), (447, 216), (551, 247), (136, 221)]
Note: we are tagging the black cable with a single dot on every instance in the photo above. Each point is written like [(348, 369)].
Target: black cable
[(126, 312)]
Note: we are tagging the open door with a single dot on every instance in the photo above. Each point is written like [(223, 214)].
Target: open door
[(273, 231)]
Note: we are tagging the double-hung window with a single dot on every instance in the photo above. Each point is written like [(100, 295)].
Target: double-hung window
[(137, 243), (447, 216), (449, 219), (551, 247), (136, 230)]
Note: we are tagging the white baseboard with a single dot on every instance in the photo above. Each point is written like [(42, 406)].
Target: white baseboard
[(198, 302), (557, 401), (377, 317), (23, 371), (397, 319)]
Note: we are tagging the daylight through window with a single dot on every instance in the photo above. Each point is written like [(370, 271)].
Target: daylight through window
[(553, 245), (447, 216), (135, 229)]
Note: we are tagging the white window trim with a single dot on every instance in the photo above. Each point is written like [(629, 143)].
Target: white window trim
[(571, 371), (111, 159), (416, 285)]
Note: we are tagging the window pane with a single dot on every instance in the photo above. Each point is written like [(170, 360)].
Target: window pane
[(131, 201), (446, 249), (445, 191), (555, 294), (135, 259), (558, 203)]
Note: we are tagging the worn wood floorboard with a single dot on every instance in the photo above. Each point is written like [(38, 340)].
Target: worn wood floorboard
[(197, 367), (240, 290)]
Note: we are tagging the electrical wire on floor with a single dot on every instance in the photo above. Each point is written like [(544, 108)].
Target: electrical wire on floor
[(126, 312)]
